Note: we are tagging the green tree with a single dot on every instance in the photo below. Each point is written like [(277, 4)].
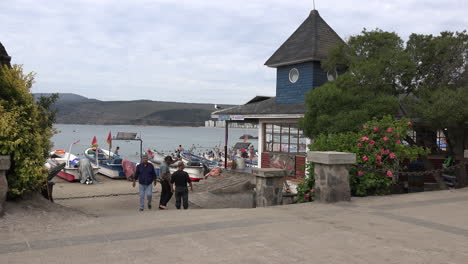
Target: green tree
[(438, 93), (25, 130), (375, 70), (426, 79)]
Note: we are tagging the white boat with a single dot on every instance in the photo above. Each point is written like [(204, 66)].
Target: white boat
[(195, 173), (109, 164), (70, 172)]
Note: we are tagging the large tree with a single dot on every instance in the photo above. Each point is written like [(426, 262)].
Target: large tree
[(375, 70), (438, 92), (25, 130), (426, 79)]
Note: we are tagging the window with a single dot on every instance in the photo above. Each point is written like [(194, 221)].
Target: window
[(441, 141), (293, 75), (285, 138)]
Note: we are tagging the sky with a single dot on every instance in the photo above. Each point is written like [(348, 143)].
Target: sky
[(200, 51)]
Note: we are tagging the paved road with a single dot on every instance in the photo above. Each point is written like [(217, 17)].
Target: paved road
[(427, 227)]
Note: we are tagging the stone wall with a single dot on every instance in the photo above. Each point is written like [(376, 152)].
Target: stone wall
[(269, 186), (4, 166), (332, 175)]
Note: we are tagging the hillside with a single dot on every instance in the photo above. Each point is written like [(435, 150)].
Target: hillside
[(76, 109)]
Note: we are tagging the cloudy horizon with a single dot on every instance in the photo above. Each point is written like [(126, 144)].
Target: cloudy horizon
[(196, 51)]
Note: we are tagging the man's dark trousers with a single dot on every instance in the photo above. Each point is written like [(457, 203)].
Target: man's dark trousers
[(166, 193), (181, 193)]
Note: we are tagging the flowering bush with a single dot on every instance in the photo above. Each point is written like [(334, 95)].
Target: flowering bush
[(305, 190), (379, 153)]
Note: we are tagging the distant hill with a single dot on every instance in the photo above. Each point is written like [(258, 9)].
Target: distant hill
[(77, 109)]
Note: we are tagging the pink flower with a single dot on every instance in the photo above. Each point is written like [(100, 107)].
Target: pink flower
[(312, 190), (392, 155), (379, 163), (410, 124), (372, 142), (386, 151), (307, 195), (365, 158), (359, 144), (379, 157), (364, 126), (360, 173), (398, 141), (382, 151), (364, 139), (389, 174), (376, 129), (385, 138), (389, 130)]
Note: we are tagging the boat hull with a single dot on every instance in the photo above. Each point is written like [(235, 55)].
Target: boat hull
[(106, 167), (195, 173)]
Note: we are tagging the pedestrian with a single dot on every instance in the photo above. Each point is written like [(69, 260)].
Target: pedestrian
[(145, 175), (181, 178), (251, 152), (116, 151), (166, 186)]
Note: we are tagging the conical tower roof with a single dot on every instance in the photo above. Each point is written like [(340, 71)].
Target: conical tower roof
[(4, 58), (310, 42)]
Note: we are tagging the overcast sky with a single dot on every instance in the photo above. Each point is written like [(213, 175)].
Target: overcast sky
[(204, 51)]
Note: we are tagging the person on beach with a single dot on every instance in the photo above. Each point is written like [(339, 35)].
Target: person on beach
[(181, 178), (251, 152), (145, 175), (166, 186)]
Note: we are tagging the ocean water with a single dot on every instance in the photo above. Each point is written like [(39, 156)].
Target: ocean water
[(163, 139)]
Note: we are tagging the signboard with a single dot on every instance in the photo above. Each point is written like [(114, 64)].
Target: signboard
[(237, 117), (230, 117)]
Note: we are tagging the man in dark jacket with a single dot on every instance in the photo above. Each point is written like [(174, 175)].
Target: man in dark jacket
[(145, 175), (181, 178)]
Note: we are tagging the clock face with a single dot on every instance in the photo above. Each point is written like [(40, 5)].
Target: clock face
[(293, 75)]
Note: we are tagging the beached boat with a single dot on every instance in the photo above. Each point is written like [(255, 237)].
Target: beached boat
[(155, 156), (109, 164), (195, 173), (71, 171), (195, 160)]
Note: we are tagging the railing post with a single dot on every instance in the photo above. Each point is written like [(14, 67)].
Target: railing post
[(4, 166), (331, 171), (268, 186)]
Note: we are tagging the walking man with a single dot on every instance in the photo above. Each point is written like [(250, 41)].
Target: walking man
[(166, 186), (181, 178), (145, 175)]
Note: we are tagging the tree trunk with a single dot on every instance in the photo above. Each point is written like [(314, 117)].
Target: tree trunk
[(457, 137)]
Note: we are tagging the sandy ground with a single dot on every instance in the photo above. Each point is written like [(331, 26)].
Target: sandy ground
[(416, 228), (104, 226)]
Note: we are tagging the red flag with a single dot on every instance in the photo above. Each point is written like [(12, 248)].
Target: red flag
[(246, 138), (109, 140), (94, 142)]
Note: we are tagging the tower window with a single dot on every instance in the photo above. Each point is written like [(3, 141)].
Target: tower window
[(293, 75)]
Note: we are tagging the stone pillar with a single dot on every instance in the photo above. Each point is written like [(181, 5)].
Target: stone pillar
[(4, 166), (269, 186), (331, 171)]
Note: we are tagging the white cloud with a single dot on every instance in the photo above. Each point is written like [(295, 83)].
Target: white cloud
[(186, 50)]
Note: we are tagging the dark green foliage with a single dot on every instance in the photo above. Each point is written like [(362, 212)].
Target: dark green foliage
[(25, 130), (378, 145)]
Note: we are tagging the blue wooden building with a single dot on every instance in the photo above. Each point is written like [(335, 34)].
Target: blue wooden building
[(298, 66)]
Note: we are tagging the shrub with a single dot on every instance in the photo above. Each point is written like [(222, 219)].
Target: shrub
[(380, 149), (25, 130)]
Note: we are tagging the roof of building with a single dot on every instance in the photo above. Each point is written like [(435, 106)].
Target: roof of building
[(4, 58), (242, 145), (266, 108), (310, 42)]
